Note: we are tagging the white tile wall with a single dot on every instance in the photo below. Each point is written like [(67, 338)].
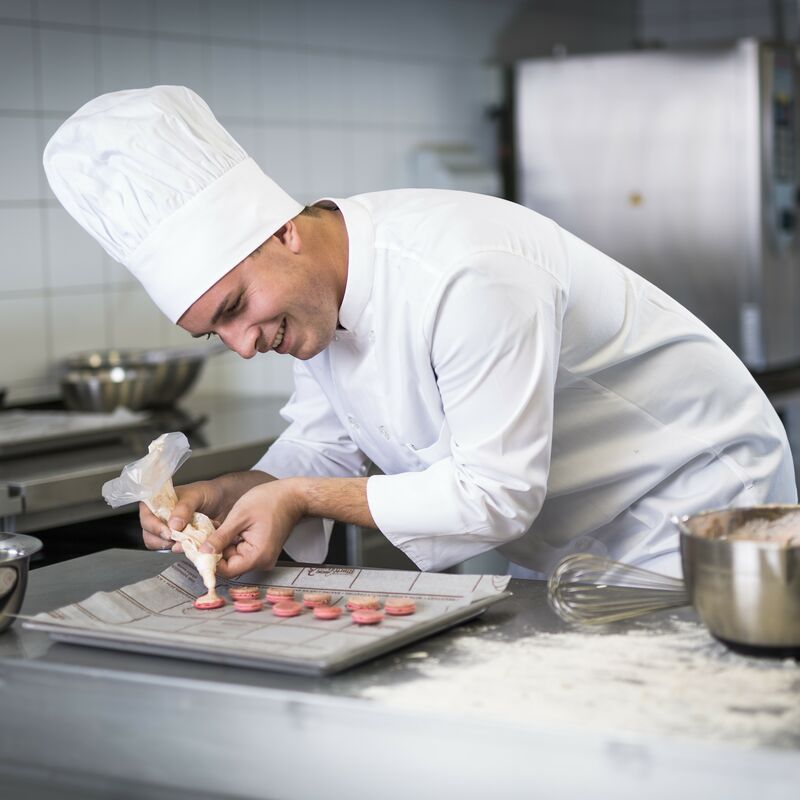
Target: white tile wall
[(132, 318), (69, 68), (74, 259), (283, 85), (125, 15), (182, 17), (16, 58), (74, 12), (20, 159), (330, 96), (21, 253), (25, 354), (280, 22), (234, 80), (126, 62), (78, 322), (185, 63), (16, 9)]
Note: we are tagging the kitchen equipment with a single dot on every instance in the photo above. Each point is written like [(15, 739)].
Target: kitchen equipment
[(15, 553), (741, 572), (263, 639), (594, 590), (747, 591), (24, 432), (106, 379), (54, 479), (682, 165)]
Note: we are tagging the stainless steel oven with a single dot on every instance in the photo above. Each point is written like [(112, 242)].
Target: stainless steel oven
[(682, 165)]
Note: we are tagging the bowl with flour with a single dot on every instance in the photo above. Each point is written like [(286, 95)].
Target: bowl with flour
[(741, 567)]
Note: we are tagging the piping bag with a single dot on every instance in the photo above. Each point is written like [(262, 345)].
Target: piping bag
[(149, 480)]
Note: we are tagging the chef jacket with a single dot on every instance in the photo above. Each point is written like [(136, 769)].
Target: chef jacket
[(520, 390)]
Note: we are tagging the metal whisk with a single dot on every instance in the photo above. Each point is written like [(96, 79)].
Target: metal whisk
[(593, 590)]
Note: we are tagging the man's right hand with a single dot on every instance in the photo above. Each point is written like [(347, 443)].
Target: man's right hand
[(214, 498)]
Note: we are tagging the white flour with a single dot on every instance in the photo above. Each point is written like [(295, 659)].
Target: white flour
[(676, 683)]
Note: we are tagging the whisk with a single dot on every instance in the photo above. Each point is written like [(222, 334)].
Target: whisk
[(593, 590)]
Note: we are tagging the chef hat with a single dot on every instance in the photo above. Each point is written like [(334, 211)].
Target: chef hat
[(165, 189)]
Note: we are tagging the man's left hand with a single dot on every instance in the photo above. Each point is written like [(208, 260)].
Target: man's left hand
[(258, 524)]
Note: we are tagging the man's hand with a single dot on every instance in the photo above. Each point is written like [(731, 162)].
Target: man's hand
[(253, 533), (214, 498), (258, 525)]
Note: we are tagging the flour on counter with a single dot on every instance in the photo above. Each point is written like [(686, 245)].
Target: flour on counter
[(675, 683)]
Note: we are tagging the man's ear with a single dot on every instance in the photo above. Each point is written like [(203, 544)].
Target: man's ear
[(289, 237)]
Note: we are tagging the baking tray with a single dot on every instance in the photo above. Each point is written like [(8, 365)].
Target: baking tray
[(157, 617)]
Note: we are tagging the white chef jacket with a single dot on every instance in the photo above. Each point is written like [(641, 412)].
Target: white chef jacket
[(519, 389)]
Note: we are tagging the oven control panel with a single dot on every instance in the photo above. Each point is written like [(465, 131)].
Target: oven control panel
[(784, 149)]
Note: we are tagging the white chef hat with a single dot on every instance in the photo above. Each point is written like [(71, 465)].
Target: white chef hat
[(165, 189)]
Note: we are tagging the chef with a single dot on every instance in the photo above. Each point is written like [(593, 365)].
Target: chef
[(513, 387)]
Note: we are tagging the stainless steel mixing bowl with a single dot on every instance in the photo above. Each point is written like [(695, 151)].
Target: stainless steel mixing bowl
[(746, 591), (15, 553), (105, 379)]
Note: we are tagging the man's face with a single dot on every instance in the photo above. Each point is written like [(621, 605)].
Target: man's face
[(275, 299)]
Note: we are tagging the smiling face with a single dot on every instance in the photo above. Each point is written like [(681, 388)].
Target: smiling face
[(283, 297)]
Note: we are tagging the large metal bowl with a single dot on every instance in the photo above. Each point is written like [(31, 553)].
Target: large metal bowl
[(746, 591), (105, 379), (15, 553)]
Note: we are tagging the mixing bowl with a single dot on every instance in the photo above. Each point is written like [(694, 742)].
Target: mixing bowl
[(137, 379), (745, 590), (15, 553)]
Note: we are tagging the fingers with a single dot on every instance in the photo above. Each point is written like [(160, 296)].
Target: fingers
[(234, 566), (222, 538), (155, 533), (191, 498), (241, 558), (181, 514)]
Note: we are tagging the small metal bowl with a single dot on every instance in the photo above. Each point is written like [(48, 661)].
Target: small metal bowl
[(745, 590), (15, 553)]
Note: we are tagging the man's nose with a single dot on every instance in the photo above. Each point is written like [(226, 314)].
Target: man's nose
[(241, 344)]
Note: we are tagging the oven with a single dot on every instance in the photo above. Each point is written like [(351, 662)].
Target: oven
[(682, 165)]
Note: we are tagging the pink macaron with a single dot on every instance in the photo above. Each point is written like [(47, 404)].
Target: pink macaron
[(287, 608), (244, 593), (366, 616), (327, 612), (206, 603), (363, 601), (312, 599), (248, 605), (399, 606), (277, 594)]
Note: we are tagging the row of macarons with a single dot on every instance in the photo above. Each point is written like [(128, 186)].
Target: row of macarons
[(365, 609)]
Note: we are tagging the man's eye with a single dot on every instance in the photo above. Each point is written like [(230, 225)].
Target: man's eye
[(235, 306)]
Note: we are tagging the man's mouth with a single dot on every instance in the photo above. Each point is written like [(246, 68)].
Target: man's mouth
[(279, 335)]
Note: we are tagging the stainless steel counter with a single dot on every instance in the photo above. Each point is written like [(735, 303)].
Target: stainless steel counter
[(51, 489), (80, 722)]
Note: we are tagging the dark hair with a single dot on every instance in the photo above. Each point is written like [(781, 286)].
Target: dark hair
[(313, 211)]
